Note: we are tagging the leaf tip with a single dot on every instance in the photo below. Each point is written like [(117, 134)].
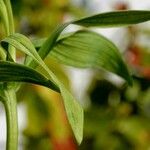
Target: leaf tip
[(79, 134)]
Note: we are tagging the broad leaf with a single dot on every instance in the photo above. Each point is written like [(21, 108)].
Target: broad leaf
[(13, 72), (108, 19), (115, 19), (86, 49), (73, 109)]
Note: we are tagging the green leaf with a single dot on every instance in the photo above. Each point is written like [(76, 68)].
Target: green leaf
[(13, 72), (108, 19), (73, 109), (86, 49), (39, 42), (23, 44), (2, 54), (47, 45), (115, 19)]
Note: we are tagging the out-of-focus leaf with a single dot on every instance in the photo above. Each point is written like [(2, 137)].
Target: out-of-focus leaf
[(2, 54), (13, 72), (86, 49), (115, 19), (73, 109)]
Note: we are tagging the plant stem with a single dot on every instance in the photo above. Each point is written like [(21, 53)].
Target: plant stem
[(12, 50), (11, 103), (4, 16), (10, 16), (12, 120)]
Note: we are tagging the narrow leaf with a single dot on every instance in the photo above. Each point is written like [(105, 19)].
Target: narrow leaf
[(47, 45), (13, 72), (115, 19), (73, 109)]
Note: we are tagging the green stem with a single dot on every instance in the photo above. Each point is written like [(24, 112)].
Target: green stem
[(12, 50), (10, 102), (10, 16), (4, 16), (12, 120)]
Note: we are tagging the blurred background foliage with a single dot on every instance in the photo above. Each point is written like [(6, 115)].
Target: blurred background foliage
[(117, 118)]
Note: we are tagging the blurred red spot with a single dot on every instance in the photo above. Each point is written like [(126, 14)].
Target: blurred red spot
[(133, 55), (121, 6), (66, 144), (146, 72)]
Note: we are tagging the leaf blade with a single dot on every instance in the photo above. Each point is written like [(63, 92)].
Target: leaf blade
[(86, 49), (115, 19), (108, 19), (13, 72)]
